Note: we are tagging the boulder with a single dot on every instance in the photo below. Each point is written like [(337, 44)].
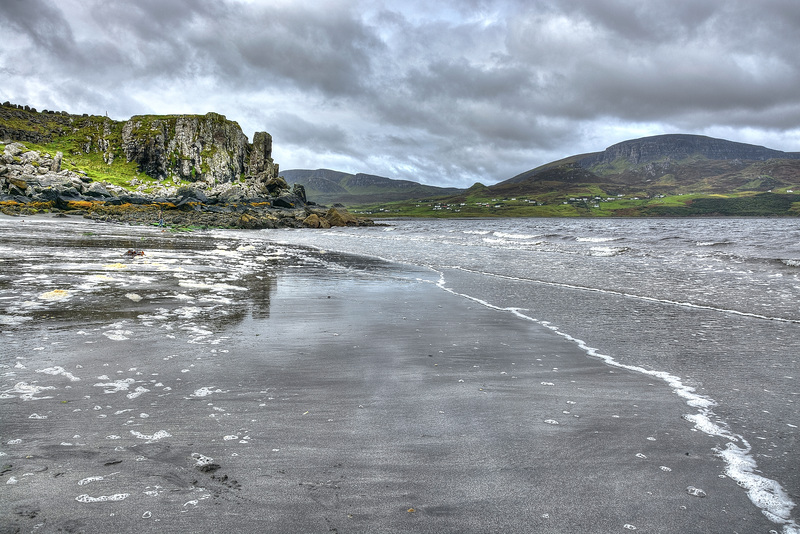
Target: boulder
[(231, 194), (192, 194), (340, 217), (53, 180), (19, 183), (315, 221), (276, 184), (14, 149), (31, 156), (70, 202), (300, 192), (97, 190), (134, 199), (287, 201), (253, 222), (55, 166)]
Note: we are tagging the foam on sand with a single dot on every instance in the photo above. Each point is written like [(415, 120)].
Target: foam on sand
[(768, 495), (56, 294), (161, 434), (26, 391), (102, 498), (55, 371)]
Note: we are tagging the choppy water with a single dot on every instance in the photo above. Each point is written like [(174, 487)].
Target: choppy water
[(712, 306)]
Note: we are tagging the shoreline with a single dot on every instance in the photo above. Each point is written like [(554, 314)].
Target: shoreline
[(354, 398)]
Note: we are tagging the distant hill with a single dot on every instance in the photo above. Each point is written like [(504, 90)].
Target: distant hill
[(667, 164), (325, 186), (663, 175)]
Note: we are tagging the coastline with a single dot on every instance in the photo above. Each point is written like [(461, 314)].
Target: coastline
[(346, 394)]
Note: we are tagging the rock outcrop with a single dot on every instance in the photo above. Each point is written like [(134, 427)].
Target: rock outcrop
[(32, 182), (208, 150), (201, 171)]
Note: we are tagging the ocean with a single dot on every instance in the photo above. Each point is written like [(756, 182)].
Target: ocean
[(101, 341)]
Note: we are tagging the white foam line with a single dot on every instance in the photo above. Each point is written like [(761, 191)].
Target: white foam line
[(766, 494), (629, 295), (57, 370)]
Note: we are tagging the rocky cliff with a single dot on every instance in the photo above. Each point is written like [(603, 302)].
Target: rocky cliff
[(208, 151), (180, 169)]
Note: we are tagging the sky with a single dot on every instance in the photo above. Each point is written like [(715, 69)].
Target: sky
[(445, 93)]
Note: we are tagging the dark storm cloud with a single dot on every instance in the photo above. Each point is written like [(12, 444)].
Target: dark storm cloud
[(449, 92)]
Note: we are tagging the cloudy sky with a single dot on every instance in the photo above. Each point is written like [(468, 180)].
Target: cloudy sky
[(445, 92)]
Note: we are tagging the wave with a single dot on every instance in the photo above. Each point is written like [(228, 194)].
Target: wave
[(713, 243), (607, 251), (518, 245), (791, 263), (597, 239), (515, 236)]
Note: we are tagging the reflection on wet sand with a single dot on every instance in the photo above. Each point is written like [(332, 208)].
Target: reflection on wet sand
[(72, 275)]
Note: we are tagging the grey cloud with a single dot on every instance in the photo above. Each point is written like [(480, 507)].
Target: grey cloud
[(597, 75), (42, 23), (326, 49), (459, 79), (322, 138)]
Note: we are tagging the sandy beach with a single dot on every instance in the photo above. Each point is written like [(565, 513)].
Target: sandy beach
[(312, 393)]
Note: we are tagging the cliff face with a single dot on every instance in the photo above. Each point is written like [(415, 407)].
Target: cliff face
[(208, 150)]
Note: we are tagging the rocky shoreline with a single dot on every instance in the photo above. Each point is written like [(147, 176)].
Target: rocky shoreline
[(34, 183)]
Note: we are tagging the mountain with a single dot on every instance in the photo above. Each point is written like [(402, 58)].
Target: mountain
[(667, 164), (326, 186), (674, 174)]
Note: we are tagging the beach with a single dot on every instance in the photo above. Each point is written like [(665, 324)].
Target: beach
[(228, 382)]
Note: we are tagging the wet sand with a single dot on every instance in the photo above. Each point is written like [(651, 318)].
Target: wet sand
[(339, 400)]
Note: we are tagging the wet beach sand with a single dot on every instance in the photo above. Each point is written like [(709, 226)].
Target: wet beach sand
[(219, 384)]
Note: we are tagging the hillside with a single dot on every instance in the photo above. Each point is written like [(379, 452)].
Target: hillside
[(676, 174), (676, 163), (326, 186)]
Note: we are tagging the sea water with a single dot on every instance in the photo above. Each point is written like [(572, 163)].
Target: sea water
[(709, 306)]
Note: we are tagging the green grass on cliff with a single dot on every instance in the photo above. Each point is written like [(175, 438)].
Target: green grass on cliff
[(120, 172), (79, 138)]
